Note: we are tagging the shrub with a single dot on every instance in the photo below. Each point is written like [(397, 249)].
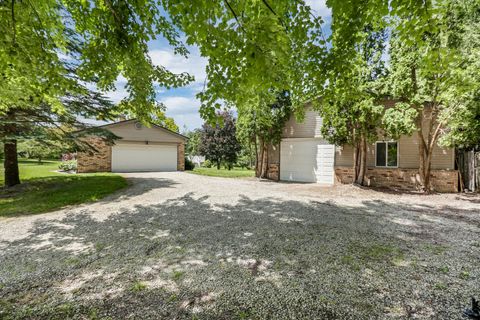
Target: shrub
[(189, 164), (68, 165), (207, 164)]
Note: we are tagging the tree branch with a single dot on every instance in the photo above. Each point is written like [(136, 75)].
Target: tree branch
[(235, 16), (14, 28)]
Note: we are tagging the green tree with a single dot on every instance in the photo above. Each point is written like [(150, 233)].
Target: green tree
[(261, 126), (432, 71), (49, 48), (193, 144), (463, 121), (431, 76), (257, 47), (351, 102), (39, 126), (35, 149), (219, 143)]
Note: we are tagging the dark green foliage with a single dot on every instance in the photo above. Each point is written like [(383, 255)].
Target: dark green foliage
[(189, 164), (192, 148), (219, 143), (261, 125)]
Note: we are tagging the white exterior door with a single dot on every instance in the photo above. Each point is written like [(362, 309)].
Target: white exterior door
[(138, 157), (307, 160)]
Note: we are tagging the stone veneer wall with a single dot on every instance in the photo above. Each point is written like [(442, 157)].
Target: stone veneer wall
[(100, 161), (401, 179), (181, 157), (273, 171)]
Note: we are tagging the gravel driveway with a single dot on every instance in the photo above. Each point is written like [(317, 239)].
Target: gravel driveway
[(182, 246)]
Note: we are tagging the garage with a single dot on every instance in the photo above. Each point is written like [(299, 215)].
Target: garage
[(138, 148), (307, 160), (134, 157)]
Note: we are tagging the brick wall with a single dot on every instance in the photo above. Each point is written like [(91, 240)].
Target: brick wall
[(181, 157), (100, 161), (401, 179)]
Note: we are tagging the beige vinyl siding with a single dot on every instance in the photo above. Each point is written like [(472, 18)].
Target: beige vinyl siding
[(128, 132), (309, 128), (136, 142), (442, 158), (344, 156), (274, 154)]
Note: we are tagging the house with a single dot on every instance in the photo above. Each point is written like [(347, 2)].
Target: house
[(197, 160), (139, 148), (304, 156)]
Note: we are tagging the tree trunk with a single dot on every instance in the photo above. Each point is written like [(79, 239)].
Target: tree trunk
[(362, 161), (250, 157), (12, 176), (256, 157), (10, 164), (427, 168), (355, 163), (218, 164), (265, 162), (423, 151), (259, 167)]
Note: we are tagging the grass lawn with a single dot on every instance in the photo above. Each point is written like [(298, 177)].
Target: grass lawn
[(225, 173), (43, 190)]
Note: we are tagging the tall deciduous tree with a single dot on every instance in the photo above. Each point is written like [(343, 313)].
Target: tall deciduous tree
[(253, 46), (219, 142), (193, 144), (48, 48), (431, 75), (351, 105), (262, 125)]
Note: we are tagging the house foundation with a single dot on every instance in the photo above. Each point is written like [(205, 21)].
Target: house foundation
[(401, 179)]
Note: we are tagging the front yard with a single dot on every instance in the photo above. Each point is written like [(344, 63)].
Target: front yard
[(43, 189), (225, 173), (183, 246)]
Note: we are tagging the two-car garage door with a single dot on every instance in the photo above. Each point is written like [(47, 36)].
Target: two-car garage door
[(307, 160), (141, 157)]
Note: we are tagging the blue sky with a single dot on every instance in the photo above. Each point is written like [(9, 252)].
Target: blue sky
[(181, 103)]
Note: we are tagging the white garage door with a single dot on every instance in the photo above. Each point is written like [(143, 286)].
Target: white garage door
[(307, 160), (135, 157)]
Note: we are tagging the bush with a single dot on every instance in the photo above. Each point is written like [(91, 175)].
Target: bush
[(189, 164), (68, 165), (207, 164)]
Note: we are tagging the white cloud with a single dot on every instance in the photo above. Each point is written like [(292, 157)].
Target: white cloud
[(195, 64), (320, 8), (184, 111), (181, 105), (117, 95)]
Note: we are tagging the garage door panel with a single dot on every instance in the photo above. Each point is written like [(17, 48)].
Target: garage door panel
[(307, 161), (131, 158)]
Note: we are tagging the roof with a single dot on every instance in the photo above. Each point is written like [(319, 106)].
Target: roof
[(134, 120)]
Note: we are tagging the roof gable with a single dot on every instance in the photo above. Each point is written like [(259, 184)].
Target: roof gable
[(130, 130)]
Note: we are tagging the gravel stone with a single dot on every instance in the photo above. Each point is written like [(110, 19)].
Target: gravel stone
[(183, 246)]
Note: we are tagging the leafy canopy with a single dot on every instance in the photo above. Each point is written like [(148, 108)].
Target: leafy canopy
[(219, 142), (253, 47), (104, 39)]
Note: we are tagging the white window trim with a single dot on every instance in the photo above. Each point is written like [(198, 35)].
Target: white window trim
[(386, 154)]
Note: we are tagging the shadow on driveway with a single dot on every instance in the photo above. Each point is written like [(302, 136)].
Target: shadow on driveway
[(266, 258)]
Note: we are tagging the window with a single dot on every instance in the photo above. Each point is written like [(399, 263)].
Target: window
[(386, 154)]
